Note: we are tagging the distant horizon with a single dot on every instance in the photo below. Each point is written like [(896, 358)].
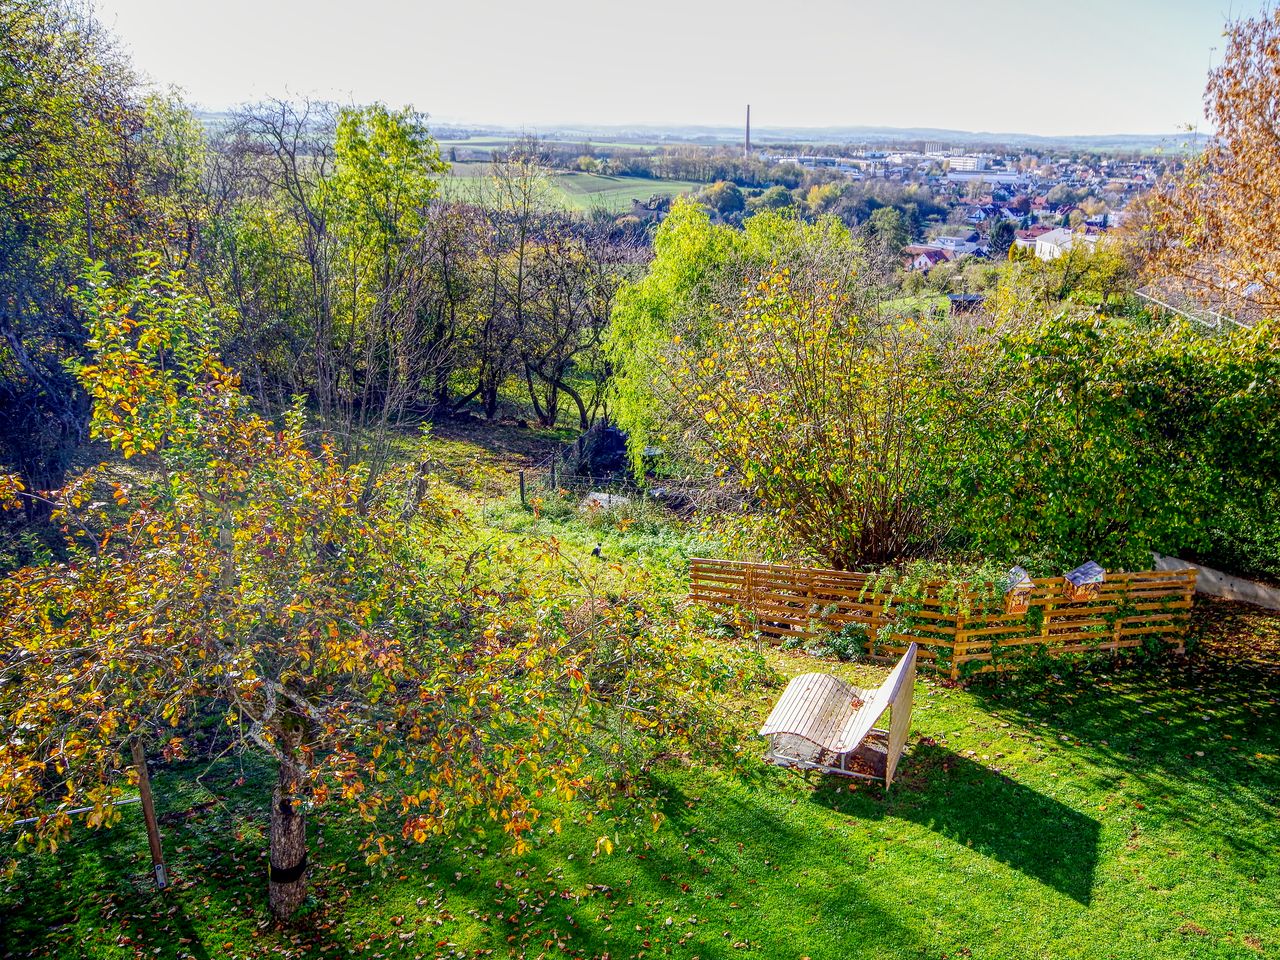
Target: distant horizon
[(1099, 69), (774, 131)]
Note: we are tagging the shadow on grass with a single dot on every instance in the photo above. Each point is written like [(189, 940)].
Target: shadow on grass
[(726, 874), (92, 894), (1188, 731), (985, 811)]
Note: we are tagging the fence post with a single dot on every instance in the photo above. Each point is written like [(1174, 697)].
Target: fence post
[(959, 642), (149, 815), (1123, 602), (1188, 595), (877, 624), (554, 485), (522, 503)]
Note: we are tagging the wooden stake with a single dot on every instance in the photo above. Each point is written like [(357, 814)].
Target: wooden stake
[(149, 814), (522, 503)]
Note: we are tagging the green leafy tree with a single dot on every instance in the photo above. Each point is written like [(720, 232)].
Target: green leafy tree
[(698, 264), (890, 228), (385, 174), (776, 197), (724, 198), (318, 238)]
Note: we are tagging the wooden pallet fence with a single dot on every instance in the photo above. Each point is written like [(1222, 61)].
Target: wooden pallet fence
[(957, 635)]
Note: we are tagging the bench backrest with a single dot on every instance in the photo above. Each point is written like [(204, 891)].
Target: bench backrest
[(882, 698)]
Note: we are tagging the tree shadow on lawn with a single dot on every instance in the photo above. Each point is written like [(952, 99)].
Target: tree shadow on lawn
[(789, 886), (1191, 733), (724, 889), (986, 811), (81, 899)]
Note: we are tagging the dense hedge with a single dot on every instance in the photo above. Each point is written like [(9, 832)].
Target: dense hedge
[(1116, 437)]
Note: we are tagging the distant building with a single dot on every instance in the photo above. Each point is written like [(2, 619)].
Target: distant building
[(967, 163), (957, 246), (849, 166), (989, 211), (1027, 238), (922, 258), (1054, 243), (986, 176)]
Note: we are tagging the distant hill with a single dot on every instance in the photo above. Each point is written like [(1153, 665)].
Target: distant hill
[(656, 134), (761, 136)]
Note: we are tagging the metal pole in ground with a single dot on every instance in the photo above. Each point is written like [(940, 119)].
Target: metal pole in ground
[(522, 503), (149, 814)]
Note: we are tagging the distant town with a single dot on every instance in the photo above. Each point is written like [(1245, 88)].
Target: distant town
[(956, 200)]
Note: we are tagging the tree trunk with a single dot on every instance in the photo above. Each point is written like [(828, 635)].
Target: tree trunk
[(287, 884)]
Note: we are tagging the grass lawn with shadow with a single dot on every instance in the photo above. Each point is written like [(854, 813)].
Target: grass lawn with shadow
[(1126, 813)]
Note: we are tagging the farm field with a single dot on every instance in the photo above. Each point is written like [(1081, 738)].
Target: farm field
[(499, 142), (584, 191), (588, 191), (1126, 811)]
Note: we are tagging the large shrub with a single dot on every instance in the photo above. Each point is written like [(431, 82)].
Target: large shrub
[(828, 415), (696, 265)]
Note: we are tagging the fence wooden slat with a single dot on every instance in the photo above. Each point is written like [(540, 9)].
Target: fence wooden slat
[(789, 602)]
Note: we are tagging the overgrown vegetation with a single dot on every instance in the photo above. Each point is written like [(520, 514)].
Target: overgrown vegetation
[(1042, 432), (1081, 798), (486, 721)]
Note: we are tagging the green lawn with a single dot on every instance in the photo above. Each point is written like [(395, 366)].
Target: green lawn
[(583, 191), (1123, 812), (919, 303), (1123, 816)]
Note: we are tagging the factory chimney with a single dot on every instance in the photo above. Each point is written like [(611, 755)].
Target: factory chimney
[(747, 149)]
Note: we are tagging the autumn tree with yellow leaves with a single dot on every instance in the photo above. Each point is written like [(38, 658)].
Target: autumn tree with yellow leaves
[(244, 576), (1214, 228), (828, 414)]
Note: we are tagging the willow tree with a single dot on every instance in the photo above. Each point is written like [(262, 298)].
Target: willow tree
[(696, 265)]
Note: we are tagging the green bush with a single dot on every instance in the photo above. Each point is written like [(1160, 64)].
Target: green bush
[(1110, 438)]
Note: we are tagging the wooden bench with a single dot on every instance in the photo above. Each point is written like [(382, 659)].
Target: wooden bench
[(822, 723)]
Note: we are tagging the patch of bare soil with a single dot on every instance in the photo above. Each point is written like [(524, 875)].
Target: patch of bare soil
[(1231, 634)]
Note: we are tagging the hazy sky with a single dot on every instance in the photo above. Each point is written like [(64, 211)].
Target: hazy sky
[(1027, 66)]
